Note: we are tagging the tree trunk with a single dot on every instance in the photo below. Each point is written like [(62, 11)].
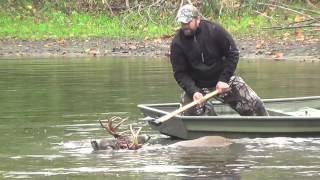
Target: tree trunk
[(127, 4)]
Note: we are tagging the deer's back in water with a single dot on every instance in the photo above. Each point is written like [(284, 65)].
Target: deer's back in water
[(206, 141)]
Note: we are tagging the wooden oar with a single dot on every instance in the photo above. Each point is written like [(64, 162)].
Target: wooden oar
[(183, 108)]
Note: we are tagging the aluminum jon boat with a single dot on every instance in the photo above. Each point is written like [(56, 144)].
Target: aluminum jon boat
[(293, 117)]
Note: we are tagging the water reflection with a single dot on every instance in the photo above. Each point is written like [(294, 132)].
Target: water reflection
[(155, 160), (49, 111)]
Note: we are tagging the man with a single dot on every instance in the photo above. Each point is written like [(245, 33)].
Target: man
[(204, 57)]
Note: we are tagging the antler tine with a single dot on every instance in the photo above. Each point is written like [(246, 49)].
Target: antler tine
[(135, 142), (123, 120), (135, 133), (110, 121), (138, 131), (102, 125), (134, 138), (113, 118), (109, 128)]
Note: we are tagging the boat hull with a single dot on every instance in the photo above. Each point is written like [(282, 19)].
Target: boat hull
[(229, 124)]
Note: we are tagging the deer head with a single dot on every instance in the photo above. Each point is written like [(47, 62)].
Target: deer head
[(122, 140)]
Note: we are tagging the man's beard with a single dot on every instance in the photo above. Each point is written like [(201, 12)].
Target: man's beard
[(188, 32)]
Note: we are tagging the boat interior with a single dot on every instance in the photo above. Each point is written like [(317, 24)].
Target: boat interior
[(298, 107)]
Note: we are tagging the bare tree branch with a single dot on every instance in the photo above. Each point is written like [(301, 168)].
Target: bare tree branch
[(308, 21), (310, 4), (286, 8), (291, 27), (302, 9), (108, 6), (264, 15)]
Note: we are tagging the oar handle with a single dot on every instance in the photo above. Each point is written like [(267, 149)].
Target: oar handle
[(183, 108)]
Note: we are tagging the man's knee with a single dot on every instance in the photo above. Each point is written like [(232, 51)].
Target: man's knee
[(260, 109), (185, 99)]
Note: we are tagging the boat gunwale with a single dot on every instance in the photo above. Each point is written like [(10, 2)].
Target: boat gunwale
[(263, 100), (150, 107)]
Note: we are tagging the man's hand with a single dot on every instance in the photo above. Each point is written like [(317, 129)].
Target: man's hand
[(222, 87), (197, 96)]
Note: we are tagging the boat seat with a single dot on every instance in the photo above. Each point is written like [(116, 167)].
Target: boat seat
[(306, 111)]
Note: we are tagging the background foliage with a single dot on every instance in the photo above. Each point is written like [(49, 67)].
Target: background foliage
[(147, 18)]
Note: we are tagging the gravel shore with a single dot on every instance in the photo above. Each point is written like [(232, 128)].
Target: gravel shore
[(249, 49)]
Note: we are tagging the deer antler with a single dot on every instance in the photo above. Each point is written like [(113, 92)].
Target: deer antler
[(111, 129), (135, 143)]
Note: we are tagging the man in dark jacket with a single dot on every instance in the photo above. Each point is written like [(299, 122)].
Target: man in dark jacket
[(204, 57)]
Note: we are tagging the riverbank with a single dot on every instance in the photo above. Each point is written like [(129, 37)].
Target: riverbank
[(277, 30), (308, 50)]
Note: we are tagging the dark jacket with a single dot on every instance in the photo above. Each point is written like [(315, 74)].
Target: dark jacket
[(200, 61)]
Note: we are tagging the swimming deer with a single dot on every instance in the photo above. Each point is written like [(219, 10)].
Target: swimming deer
[(121, 140), (135, 141)]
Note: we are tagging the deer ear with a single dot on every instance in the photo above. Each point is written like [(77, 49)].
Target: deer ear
[(147, 138), (142, 139), (95, 145)]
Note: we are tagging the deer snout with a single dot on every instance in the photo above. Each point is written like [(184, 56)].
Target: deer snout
[(144, 138)]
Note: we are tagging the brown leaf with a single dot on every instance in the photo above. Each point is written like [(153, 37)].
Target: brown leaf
[(260, 44), (92, 51), (278, 56), (272, 8), (61, 42), (132, 47), (299, 35), (268, 53), (264, 14), (286, 36), (299, 18), (158, 40)]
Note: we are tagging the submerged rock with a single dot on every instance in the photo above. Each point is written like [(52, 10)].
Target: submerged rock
[(206, 141)]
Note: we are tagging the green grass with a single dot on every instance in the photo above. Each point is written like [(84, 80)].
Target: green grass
[(246, 26), (58, 25)]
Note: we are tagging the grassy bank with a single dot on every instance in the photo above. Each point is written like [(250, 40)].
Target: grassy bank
[(58, 25), (76, 25), (144, 24)]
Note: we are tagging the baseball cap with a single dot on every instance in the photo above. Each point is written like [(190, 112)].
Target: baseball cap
[(186, 13)]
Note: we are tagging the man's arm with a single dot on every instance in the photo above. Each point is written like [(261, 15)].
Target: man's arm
[(180, 70), (230, 52)]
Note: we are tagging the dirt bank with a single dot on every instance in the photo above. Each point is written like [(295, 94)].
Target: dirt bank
[(252, 49)]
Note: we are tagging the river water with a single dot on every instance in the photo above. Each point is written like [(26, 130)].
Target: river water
[(49, 110)]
